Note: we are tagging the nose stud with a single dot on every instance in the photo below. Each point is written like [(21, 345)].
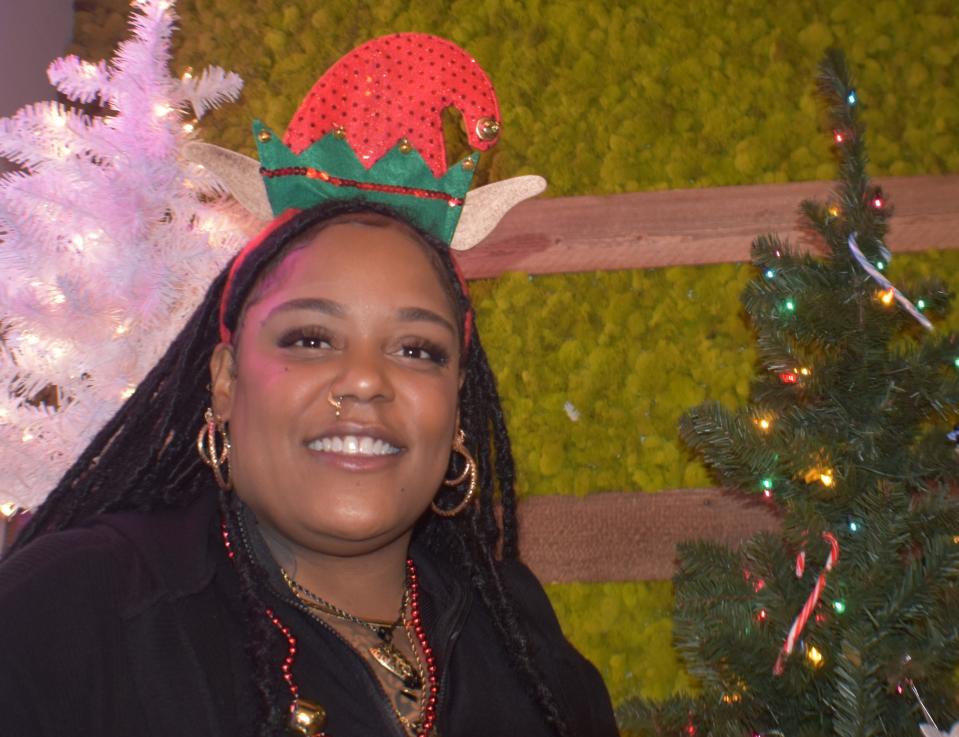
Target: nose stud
[(336, 402)]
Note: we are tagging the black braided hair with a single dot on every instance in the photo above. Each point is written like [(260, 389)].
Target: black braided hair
[(145, 459)]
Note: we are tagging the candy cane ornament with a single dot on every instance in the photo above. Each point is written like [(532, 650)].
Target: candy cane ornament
[(800, 622)]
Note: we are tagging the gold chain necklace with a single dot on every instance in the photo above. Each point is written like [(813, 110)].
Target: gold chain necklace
[(384, 653)]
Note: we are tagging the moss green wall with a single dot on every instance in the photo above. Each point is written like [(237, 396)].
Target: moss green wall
[(605, 97)]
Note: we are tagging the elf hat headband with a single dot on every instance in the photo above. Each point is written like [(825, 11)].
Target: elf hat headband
[(371, 128)]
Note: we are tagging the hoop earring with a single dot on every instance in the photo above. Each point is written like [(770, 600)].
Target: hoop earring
[(459, 446), (206, 442)]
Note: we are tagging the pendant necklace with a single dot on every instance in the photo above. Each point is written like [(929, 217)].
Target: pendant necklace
[(384, 653), (308, 718)]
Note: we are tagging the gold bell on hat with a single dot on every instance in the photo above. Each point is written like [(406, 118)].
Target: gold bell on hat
[(487, 129), (308, 718)]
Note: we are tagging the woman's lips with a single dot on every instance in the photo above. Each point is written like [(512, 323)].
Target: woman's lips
[(354, 452), (353, 445)]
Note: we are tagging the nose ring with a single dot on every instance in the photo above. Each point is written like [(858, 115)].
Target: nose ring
[(336, 402)]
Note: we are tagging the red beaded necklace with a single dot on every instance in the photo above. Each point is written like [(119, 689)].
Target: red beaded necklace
[(308, 718)]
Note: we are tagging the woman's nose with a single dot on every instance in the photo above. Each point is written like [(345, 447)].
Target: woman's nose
[(363, 375)]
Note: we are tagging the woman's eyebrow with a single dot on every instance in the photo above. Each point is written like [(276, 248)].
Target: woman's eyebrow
[(316, 304), (421, 314), (335, 309)]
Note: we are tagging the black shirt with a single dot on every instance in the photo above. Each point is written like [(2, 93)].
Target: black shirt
[(133, 625)]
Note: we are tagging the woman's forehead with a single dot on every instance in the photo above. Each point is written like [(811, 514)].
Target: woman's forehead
[(356, 262)]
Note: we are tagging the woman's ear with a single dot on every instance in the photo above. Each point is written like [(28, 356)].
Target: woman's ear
[(223, 380)]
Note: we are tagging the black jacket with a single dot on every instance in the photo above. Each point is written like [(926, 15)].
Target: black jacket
[(129, 627)]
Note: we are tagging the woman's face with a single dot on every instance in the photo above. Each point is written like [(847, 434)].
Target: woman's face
[(357, 312)]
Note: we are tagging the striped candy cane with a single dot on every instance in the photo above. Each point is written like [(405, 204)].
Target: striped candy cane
[(811, 600)]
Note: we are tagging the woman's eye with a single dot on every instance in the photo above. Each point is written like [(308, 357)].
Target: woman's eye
[(304, 339), (432, 353)]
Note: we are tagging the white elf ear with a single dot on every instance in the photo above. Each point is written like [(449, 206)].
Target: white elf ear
[(485, 207), (239, 174)]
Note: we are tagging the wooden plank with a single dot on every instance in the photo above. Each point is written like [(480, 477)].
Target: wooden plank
[(630, 536), (692, 226)]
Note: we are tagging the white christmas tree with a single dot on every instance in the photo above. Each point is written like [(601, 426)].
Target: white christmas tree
[(108, 239)]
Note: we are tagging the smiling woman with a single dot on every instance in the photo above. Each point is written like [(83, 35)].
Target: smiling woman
[(340, 557)]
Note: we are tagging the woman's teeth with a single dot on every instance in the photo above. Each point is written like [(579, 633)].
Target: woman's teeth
[(353, 445)]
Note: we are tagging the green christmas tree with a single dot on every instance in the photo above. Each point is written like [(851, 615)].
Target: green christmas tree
[(846, 434)]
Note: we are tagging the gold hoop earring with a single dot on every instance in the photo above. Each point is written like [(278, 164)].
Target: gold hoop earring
[(206, 442), (459, 446), (336, 402)]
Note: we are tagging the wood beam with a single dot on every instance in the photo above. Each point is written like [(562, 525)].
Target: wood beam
[(630, 536), (692, 226)]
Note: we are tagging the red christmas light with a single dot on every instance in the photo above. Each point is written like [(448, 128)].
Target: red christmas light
[(838, 137), (789, 377)]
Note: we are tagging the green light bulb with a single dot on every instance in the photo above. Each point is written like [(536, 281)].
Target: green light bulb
[(790, 305), (839, 606)]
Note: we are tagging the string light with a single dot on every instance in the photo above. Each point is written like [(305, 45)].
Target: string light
[(840, 606), (881, 265), (763, 423), (853, 526), (128, 392), (834, 211), (877, 201), (790, 305), (188, 127), (770, 273), (804, 371), (956, 362), (731, 698), (838, 136), (851, 97), (8, 510), (26, 437), (920, 304), (187, 73), (57, 119), (814, 656), (789, 377), (823, 475), (162, 109), (887, 296), (762, 616)]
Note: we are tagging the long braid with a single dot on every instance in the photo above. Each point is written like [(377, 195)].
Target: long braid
[(144, 459), (262, 637)]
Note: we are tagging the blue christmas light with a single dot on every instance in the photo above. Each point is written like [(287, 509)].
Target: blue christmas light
[(853, 526), (880, 265), (851, 97), (770, 273)]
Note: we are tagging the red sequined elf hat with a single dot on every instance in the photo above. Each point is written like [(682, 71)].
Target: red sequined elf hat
[(371, 128)]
